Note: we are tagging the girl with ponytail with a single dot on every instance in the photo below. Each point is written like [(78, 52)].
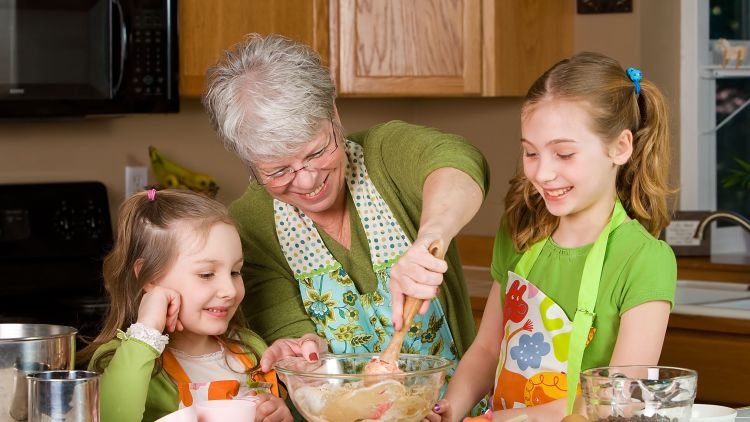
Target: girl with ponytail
[(581, 279)]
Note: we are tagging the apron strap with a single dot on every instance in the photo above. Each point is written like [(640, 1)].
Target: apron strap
[(173, 368), (523, 267), (587, 294)]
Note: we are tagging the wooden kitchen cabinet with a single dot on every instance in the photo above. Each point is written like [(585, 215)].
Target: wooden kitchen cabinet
[(379, 48), (207, 28), (408, 47), (718, 348), (521, 40), (446, 47)]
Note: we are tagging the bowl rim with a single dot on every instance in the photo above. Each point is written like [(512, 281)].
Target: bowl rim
[(445, 365), (728, 411), (689, 373), (60, 331)]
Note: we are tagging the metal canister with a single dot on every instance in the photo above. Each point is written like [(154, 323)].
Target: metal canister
[(64, 396), (26, 349)]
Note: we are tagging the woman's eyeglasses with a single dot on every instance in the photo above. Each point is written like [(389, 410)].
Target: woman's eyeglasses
[(314, 161)]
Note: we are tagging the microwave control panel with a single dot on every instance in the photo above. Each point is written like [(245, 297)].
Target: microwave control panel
[(149, 52)]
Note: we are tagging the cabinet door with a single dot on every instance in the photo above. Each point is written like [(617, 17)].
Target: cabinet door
[(522, 39), (721, 361), (207, 28), (408, 47)]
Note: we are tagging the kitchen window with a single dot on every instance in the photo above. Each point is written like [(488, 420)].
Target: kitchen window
[(715, 114)]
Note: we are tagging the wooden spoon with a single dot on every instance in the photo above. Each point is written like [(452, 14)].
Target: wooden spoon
[(387, 363)]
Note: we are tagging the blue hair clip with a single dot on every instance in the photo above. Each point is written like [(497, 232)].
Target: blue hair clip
[(635, 76)]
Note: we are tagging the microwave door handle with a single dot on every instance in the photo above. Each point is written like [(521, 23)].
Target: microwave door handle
[(123, 47)]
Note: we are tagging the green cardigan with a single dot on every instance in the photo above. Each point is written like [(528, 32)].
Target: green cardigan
[(399, 157)]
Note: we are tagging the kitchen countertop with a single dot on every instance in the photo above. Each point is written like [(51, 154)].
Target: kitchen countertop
[(729, 268), (479, 282)]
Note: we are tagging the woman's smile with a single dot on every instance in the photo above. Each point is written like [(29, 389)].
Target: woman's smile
[(317, 192)]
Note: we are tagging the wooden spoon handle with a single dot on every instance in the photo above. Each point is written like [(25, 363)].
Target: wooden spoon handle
[(411, 307)]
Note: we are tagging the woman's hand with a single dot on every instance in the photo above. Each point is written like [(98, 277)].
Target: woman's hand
[(269, 408), (417, 274), (310, 346), (440, 412), (160, 308)]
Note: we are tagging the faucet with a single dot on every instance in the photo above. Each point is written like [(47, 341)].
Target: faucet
[(724, 215)]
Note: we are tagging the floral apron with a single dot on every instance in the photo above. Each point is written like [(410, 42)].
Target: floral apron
[(352, 321), (190, 392), (541, 350)]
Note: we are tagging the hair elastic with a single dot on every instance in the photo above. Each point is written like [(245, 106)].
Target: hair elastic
[(635, 76), (151, 195)]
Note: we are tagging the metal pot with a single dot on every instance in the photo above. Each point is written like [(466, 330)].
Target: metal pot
[(26, 349)]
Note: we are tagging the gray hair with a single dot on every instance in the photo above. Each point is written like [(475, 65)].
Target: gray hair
[(268, 96)]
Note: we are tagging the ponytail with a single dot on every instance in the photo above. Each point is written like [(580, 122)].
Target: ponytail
[(642, 183)]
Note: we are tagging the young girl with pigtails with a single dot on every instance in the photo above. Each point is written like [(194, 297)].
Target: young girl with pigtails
[(581, 279), (174, 334)]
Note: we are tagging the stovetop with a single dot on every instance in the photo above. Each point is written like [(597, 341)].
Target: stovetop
[(54, 220), (53, 237)]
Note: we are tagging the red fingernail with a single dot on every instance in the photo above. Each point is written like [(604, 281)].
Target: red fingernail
[(436, 408), (313, 357)]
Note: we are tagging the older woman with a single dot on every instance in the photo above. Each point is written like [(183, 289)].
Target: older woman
[(335, 229)]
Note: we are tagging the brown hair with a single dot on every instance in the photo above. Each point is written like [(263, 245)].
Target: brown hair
[(600, 83), (146, 231)]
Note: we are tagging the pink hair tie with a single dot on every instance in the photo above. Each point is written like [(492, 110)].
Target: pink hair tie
[(151, 195)]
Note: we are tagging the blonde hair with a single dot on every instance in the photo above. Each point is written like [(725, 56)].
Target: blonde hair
[(609, 96), (147, 231)]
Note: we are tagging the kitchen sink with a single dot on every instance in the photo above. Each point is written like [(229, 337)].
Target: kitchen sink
[(731, 304), (712, 298), (690, 292)]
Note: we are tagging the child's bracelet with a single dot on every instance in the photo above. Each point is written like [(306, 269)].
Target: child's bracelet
[(148, 335)]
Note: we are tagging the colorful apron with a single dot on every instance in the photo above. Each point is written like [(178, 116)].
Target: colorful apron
[(352, 321), (190, 392), (541, 350)]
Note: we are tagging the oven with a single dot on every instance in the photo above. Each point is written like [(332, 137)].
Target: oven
[(53, 237)]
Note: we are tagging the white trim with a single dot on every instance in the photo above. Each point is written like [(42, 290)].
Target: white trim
[(697, 117), (697, 152), (689, 178)]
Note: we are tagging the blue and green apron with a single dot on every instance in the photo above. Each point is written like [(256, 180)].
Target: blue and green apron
[(351, 320)]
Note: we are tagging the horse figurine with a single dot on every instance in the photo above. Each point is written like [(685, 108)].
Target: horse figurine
[(730, 52)]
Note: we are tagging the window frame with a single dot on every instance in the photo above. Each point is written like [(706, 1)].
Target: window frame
[(698, 175)]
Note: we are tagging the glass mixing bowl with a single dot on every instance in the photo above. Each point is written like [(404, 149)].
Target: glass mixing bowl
[(334, 389), (639, 393)]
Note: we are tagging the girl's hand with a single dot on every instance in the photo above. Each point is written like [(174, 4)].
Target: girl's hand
[(160, 308), (270, 408), (418, 274), (310, 346), (440, 412)]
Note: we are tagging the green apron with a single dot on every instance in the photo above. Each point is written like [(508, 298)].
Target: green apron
[(542, 350)]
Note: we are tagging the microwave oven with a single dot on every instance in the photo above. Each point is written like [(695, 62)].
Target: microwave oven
[(85, 57)]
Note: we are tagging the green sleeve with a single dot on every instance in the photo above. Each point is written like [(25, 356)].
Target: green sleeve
[(272, 302), (406, 154), (124, 385), (651, 275), (504, 257)]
